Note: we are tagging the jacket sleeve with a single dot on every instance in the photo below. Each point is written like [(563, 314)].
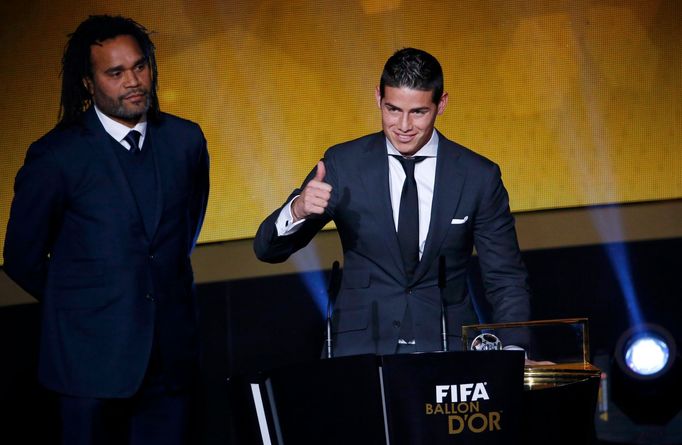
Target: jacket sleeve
[(504, 274), (199, 197), (35, 219)]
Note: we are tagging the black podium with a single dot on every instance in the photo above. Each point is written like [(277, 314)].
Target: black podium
[(430, 398)]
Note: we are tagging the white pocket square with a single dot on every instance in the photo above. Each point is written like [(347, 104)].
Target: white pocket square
[(459, 221)]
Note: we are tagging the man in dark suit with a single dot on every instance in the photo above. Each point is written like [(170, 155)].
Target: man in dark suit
[(107, 208), (402, 199)]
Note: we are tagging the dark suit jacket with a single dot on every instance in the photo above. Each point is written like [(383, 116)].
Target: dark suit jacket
[(470, 208), (76, 241)]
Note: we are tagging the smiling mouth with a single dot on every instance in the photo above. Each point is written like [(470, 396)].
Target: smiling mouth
[(405, 137)]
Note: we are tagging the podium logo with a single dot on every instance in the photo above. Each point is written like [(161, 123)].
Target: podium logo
[(466, 392), (461, 405)]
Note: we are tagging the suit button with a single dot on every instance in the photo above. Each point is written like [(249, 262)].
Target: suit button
[(149, 297), (408, 291), (151, 257), (396, 323)]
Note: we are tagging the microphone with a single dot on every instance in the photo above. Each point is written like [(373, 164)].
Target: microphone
[(442, 282), (332, 291)]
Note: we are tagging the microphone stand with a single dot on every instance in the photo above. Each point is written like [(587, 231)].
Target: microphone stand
[(442, 282), (332, 290)]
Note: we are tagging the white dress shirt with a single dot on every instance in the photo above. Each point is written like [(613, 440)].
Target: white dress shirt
[(424, 175), (119, 131)]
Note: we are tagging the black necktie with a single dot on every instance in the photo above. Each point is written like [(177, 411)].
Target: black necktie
[(133, 139), (408, 216)]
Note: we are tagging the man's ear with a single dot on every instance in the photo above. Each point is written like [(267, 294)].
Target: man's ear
[(87, 83), (442, 103), (377, 96)]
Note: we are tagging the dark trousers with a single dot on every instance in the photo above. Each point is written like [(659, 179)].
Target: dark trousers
[(154, 415)]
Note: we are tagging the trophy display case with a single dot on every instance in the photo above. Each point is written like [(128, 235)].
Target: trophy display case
[(557, 351), (561, 386)]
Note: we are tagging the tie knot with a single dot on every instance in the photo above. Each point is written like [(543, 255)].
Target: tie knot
[(409, 163), (133, 139)]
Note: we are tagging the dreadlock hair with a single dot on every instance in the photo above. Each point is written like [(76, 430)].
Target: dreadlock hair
[(415, 69), (77, 65)]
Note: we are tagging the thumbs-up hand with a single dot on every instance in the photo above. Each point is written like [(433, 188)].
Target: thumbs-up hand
[(315, 196)]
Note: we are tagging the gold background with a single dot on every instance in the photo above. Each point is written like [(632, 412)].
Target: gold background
[(580, 102)]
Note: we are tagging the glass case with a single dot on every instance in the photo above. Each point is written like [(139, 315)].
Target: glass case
[(557, 351)]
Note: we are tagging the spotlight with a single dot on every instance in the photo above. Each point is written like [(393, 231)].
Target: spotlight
[(646, 352), (646, 381)]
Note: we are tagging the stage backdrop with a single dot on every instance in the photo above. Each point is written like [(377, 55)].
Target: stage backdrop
[(580, 102)]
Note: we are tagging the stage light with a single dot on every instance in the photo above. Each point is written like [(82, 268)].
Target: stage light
[(645, 383), (647, 355)]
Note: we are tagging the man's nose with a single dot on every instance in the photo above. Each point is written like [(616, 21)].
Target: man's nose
[(405, 123), (131, 79)]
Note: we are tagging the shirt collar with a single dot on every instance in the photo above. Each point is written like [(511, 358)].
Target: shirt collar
[(430, 149), (117, 130)]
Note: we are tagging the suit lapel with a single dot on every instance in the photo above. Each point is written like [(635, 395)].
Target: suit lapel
[(447, 192), (156, 137), (374, 174)]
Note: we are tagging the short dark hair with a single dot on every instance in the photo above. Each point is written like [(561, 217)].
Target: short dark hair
[(415, 69), (77, 65)]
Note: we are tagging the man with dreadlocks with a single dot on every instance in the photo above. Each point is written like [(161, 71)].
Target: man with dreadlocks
[(107, 208)]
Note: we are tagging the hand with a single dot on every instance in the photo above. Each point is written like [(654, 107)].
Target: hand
[(314, 198)]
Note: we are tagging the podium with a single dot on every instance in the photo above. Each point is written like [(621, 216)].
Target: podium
[(468, 397), (432, 398)]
